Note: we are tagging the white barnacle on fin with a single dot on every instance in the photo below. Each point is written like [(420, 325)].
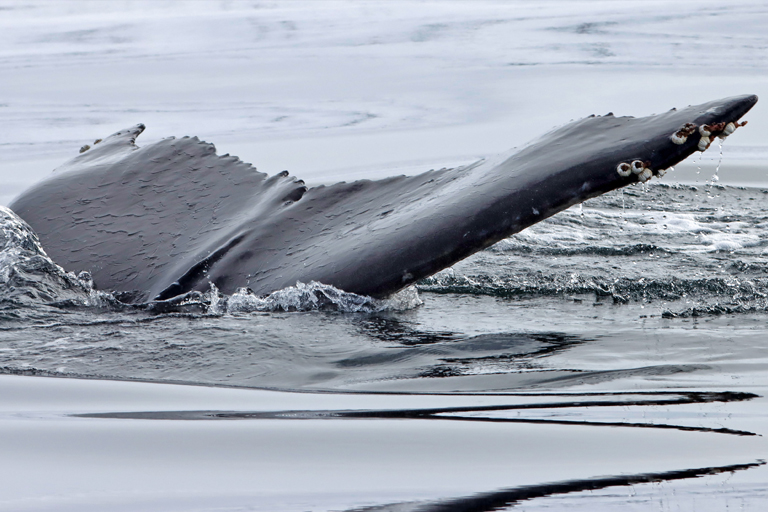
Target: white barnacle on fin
[(704, 143), (704, 131), (624, 169), (729, 128), (637, 166), (645, 175), (678, 139), (681, 135)]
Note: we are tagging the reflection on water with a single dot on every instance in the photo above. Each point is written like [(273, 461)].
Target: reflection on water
[(496, 500), (548, 413)]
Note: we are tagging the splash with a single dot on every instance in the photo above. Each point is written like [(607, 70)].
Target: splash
[(314, 296), (29, 276)]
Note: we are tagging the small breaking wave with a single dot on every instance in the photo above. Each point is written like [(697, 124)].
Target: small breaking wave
[(621, 289), (514, 246), (317, 296), (312, 296), (28, 276), (730, 242)]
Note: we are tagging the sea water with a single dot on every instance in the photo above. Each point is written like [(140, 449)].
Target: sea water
[(657, 322), (679, 260)]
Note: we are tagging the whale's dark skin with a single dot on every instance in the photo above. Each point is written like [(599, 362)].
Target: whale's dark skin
[(173, 217)]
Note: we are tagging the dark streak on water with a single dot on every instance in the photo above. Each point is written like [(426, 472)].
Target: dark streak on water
[(507, 497), (454, 413)]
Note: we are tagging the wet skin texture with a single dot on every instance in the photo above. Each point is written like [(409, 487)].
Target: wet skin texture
[(158, 221)]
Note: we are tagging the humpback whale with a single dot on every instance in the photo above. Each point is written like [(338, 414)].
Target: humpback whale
[(159, 221)]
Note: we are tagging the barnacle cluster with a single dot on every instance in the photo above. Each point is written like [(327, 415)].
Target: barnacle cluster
[(722, 130), (681, 135), (708, 133), (642, 169)]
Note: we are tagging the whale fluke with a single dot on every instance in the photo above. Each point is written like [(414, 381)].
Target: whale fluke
[(161, 220)]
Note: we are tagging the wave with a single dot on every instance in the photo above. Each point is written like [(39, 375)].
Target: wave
[(621, 289), (29, 276), (516, 247), (757, 306), (312, 296)]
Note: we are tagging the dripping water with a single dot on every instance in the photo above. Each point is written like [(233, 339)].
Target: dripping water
[(719, 160), (623, 207), (698, 161)]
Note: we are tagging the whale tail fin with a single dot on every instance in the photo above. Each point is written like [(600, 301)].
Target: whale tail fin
[(106, 150), (161, 219)]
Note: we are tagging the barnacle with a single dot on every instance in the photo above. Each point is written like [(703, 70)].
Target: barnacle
[(645, 175), (704, 143), (624, 169), (681, 135)]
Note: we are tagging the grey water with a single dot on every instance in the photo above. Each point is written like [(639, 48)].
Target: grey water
[(643, 309), (658, 281)]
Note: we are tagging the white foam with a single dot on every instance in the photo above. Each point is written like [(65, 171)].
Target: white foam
[(729, 241), (314, 296), (27, 273)]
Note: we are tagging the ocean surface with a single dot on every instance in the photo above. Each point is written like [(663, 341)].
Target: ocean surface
[(612, 356), (642, 310)]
